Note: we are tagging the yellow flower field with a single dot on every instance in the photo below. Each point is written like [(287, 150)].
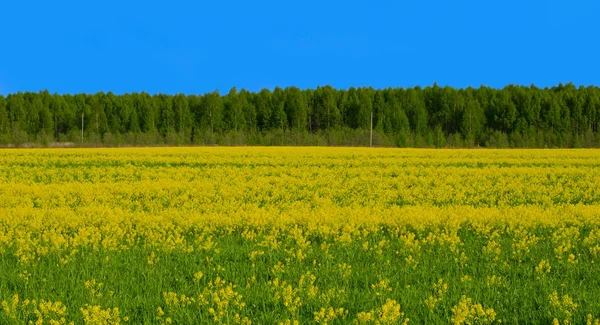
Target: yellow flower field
[(299, 236)]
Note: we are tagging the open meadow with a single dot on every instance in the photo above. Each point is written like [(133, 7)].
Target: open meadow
[(300, 235)]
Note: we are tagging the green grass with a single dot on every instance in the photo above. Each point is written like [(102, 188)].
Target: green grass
[(136, 287)]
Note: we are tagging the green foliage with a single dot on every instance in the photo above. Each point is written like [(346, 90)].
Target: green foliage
[(515, 116)]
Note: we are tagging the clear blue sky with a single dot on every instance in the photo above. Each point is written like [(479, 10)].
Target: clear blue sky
[(199, 46)]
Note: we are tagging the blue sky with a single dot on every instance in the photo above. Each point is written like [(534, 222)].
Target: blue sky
[(197, 47)]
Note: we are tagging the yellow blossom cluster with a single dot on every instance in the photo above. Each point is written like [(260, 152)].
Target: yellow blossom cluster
[(298, 235)]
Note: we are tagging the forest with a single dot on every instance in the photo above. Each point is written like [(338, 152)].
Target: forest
[(563, 116)]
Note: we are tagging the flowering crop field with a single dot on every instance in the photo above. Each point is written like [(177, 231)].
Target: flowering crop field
[(299, 236)]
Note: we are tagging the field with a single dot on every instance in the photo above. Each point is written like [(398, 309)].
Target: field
[(299, 236)]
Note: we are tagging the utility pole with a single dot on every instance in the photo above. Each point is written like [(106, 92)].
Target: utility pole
[(81, 128), (371, 136)]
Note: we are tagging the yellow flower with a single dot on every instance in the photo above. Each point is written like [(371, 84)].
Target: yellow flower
[(543, 267), (467, 312)]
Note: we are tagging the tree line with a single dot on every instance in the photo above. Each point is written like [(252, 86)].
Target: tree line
[(434, 116)]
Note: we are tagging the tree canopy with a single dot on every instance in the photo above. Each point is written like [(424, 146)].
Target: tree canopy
[(515, 116)]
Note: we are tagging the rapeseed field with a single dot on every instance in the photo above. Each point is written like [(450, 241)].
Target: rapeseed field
[(299, 236)]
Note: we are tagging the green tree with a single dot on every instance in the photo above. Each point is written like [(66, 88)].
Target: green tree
[(433, 103), (563, 115), (183, 116), (99, 123), (263, 109), (295, 108), (365, 108), (33, 105), (129, 115), (278, 116), (398, 119), (233, 111), (551, 117), (57, 108), (46, 120), (309, 99), (416, 111), (148, 113), (350, 105), (379, 111), (472, 123), (112, 116), (592, 108), (4, 121), (505, 112), (167, 116), (195, 105), (248, 109), (327, 113), (212, 112)]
